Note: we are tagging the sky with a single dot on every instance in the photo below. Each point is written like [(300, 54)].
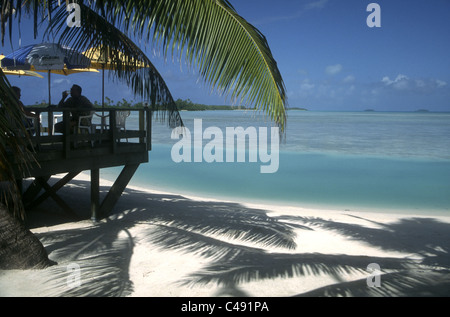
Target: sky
[(328, 56)]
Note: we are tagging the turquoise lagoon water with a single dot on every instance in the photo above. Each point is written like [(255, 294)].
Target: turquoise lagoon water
[(335, 160)]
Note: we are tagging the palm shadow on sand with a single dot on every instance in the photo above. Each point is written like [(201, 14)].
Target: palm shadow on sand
[(235, 239)]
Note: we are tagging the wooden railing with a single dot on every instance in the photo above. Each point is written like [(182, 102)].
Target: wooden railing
[(104, 129), (72, 152)]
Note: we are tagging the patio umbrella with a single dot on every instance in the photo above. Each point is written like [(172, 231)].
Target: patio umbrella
[(19, 72), (47, 57), (100, 58)]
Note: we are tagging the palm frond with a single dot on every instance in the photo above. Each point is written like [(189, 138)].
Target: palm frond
[(96, 31), (10, 9), (14, 154), (232, 56)]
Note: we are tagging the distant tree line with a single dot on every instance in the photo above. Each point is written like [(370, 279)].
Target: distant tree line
[(186, 105)]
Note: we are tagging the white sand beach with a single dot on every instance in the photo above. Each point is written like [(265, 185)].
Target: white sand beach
[(158, 244)]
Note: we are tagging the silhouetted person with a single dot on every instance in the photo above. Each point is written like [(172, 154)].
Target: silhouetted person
[(27, 122), (76, 101)]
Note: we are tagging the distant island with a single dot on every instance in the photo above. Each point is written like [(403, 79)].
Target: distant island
[(188, 105), (369, 110), (423, 110), (298, 109)]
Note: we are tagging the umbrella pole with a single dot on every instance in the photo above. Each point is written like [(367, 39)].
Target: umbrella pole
[(103, 88), (49, 93), (103, 97), (50, 113)]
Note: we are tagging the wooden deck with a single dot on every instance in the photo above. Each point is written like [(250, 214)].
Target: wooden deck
[(72, 152)]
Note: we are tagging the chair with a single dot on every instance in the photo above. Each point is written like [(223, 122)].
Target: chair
[(32, 127), (55, 120), (85, 124), (103, 125), (121, 118)]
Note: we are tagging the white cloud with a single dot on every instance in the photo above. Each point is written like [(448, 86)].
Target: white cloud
[(294, 12), (303, 72), (318, 4), (61, 81), (306, 86), (351, 90), (420, 83), (349, 79), (403, 82), (334, 69), (440, 83)]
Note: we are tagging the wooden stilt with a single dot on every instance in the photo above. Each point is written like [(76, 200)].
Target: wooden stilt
[(117, 189), (95, 193)]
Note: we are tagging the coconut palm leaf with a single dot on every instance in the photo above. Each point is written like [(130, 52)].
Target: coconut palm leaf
[(13, 145), (96, 31), (231, 55)]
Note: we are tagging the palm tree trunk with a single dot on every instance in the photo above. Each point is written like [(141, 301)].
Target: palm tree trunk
[(19, 248)]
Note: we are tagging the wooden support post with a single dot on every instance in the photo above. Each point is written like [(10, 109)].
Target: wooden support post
[(117, 189), (95, 193), (50, 123), (66, 127), (141, 124), (113, 129), (50, 112), (149, 130)]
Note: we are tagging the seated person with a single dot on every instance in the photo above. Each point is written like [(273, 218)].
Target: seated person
[(76, 101), (27, 122)]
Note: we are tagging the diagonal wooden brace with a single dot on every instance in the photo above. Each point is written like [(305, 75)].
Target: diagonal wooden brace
[(50, 191), (117, 189)]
